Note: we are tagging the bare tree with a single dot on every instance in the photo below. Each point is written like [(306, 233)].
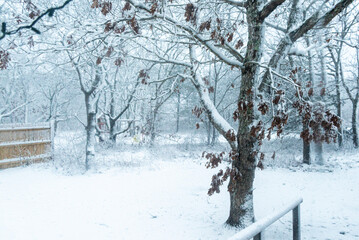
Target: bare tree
[(114, 114), (353, 96), (91, 90), (345, 22)]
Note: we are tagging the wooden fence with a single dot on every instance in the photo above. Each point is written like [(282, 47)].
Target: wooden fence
[(22, 144), (255, 230)]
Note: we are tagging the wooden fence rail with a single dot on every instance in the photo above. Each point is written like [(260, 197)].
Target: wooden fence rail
[(25, 143), (255, 230)]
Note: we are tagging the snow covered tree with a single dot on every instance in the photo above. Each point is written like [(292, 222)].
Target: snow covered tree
[(352, 91), (224, 36)]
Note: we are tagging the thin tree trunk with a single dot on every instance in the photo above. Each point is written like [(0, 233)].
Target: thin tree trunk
[(90, 131), (214, 136), (178, 111), (338, 104), (112, 121), (339, 112), (306, 148), (306, 145), (321, 96), (209, 133), (26, 111), (153, 126), (338, 101), (318, 148), (112, 124), (354, 124)]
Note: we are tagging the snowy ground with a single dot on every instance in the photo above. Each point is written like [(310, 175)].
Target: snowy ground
[(138, 193)]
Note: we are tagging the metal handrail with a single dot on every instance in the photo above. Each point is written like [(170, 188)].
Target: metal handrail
[(255, 230)]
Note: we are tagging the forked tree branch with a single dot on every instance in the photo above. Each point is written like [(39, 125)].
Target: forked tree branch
[(49, 12), (290, 38)]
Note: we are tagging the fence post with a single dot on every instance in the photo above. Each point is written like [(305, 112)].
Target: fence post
[(296, 223), (258, 236)]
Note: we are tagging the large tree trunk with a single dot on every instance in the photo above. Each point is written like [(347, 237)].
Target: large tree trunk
[(241, 184), (90, 131)]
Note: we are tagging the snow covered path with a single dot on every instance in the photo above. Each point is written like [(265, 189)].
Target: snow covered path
[(167, 201)]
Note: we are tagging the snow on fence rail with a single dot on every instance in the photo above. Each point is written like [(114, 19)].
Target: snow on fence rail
[(254, 231), (25, 143)]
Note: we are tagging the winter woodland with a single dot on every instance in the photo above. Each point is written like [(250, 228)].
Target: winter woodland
[(182, 119)]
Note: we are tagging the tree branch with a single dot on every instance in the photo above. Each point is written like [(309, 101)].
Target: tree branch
[(222, 126), (287, 41), (269, 8), (191, 31), (236, 3), (123, 131), (49, 12), (315, 20), (13, 110), (128, 102)]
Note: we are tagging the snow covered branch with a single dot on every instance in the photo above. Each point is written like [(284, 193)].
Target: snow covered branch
[(7, 114), (287, 41), (241, 4), (317, 20), (50, 12), (222, 126), (190, 31), (270, 7)]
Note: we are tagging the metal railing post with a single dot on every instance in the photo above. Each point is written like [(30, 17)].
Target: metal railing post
[(296, 223), (258, 236), (256, 229)]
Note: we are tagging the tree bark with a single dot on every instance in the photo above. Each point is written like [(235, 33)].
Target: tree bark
[(112, 124), (214, 135), (339, 107), (319, 153), (241, 184), (178, 111), (153, 124), (112, 120), (354, 124), (306, 148), (321, 96), (338, 104), (306, 145), (209, 130), (90, 131)]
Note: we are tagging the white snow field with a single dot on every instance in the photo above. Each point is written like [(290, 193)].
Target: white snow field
[(161, 193)]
